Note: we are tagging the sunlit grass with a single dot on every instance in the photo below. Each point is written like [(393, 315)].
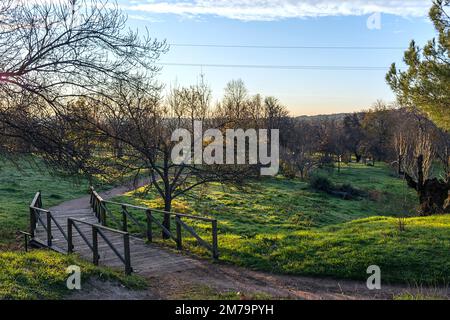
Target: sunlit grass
[(283, 226), (41, 274), (18, 185)]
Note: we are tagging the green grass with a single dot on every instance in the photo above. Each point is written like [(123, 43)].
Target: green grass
[(41, 274), (280, 225), (283, 226), (417, 297), (19, 184)]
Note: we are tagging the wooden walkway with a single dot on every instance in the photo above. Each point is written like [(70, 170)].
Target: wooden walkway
[(145, 258)]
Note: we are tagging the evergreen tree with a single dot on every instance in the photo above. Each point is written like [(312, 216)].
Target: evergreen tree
[(426, 83)]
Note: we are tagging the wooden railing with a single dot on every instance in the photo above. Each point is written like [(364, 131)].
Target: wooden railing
[(73, 224), (36, 203), (103, 212), (36, 213), (97, 205), (43, 217), (26, 238)]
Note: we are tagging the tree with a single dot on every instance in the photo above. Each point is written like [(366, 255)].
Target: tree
[(353, 135), (235, 100), (57, 51), (274, 113), (425, 86), (433, 192), (299, 145), (378, 124), (426, 82), (421, 146), (143, 123)]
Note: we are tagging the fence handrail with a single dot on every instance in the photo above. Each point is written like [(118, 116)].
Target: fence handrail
[(39, 209), (174, 214), (97, 230), (35, 200), (99, 206), (35, 218), (99, 226)]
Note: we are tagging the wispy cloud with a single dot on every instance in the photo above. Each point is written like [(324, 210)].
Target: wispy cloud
[(269, 10)]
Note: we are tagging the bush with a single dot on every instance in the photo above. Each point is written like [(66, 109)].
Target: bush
[(351, 191), (287, 170), (321, 183)]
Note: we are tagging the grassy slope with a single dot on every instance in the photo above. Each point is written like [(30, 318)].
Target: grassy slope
[(282, 226), (18, 187), (39, 274), (42, 274)]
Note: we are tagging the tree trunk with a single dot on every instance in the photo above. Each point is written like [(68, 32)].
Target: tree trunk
[(167, 195), (302, 173), (166, 221), (400, 165), (434, 197), (358, 157), (433, 194)]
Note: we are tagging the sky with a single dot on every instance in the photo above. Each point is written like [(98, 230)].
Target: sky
[(305, 43)]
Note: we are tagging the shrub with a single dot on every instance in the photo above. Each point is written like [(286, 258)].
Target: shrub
[(287, 170), (351, 191), (320, 182)]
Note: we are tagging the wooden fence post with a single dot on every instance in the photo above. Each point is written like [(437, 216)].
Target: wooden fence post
[(49, 229), (178, 225), (39, 200), (95, 207), (124, 219), (32, 222), (103, 214), (214, 240), (26, 242), (69, 236), (149, 226), (95, 245), (126, 248)]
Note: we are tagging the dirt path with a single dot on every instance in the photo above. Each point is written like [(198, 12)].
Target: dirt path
[(217, 280)]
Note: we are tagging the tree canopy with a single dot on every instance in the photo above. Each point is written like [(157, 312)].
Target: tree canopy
[(426, 83)]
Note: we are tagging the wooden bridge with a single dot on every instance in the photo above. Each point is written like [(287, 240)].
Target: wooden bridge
[(94, 232)]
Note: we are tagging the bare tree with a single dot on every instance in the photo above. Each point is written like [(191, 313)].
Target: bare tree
[(143, 123), (423, 151), (299, 145), (65, 49), (401, 148), (353, 135), (235, 100), (274, 113)]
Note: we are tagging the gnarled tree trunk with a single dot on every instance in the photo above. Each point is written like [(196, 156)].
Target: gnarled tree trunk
[(433, 193)]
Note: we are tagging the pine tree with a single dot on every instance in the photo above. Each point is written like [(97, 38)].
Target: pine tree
[(426, 83)]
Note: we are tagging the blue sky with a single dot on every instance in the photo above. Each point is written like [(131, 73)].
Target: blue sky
[(290, 23)]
